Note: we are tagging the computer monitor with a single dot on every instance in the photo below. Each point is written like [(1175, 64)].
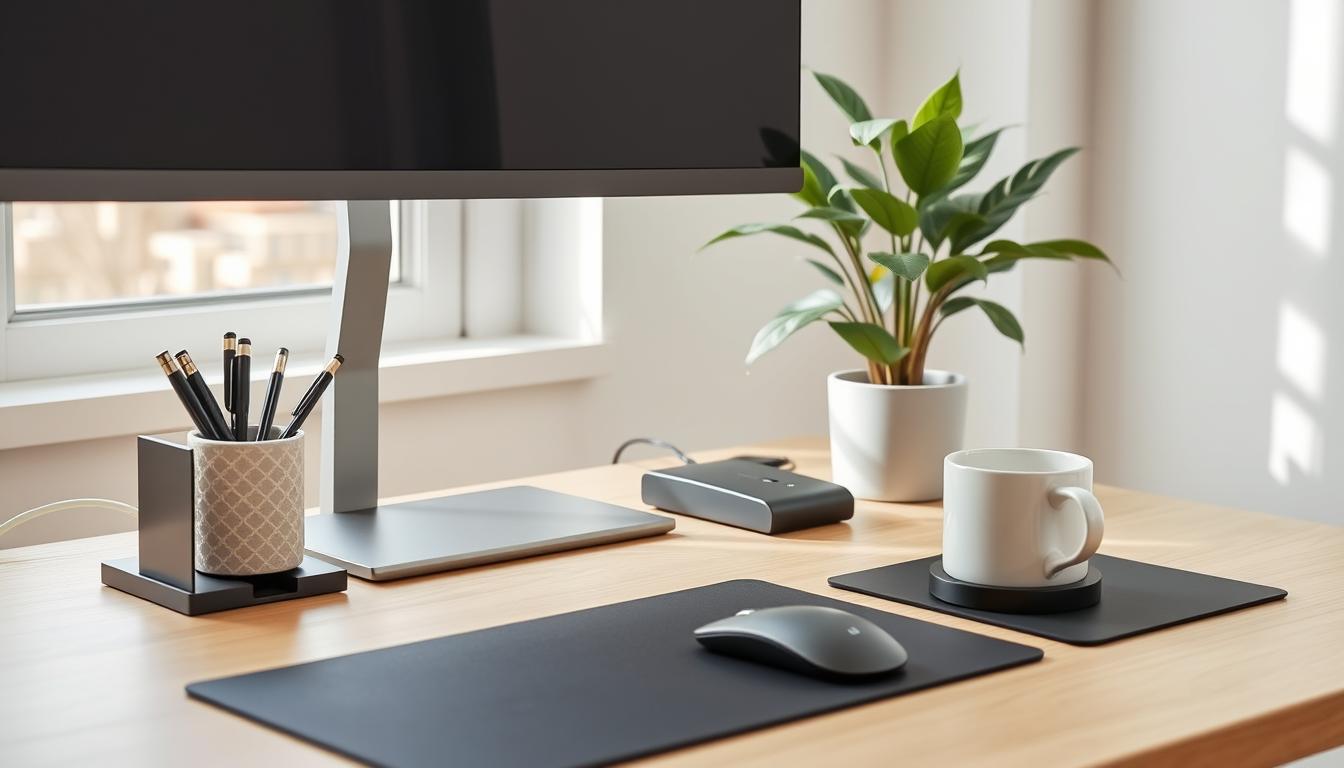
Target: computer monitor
[(387, 99), (373, 100)]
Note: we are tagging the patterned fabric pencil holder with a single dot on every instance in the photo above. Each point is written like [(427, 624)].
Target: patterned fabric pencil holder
[(248, 504)]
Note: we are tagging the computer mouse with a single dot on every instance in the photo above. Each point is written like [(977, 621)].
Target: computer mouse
[(812, 639)]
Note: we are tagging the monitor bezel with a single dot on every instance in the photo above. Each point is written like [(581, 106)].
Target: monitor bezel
[(89, 185)]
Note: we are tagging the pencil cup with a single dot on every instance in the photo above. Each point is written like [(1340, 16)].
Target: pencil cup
[(249, 504)]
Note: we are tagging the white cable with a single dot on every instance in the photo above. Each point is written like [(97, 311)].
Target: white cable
[(33, 514)]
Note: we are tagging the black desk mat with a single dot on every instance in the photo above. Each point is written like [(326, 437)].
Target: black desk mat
[(585, 688), (1135, 598)]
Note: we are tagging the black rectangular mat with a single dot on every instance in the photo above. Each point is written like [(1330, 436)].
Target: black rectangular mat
[(1135, 598), (585, 688)]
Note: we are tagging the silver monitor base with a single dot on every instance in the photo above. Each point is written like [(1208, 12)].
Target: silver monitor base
[(394, 541)]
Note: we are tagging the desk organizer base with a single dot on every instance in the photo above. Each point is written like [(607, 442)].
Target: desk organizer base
[(217, 593), (1135, 598), (592, 687)]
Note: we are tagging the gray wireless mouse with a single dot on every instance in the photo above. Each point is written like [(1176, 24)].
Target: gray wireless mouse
[(812, 639)]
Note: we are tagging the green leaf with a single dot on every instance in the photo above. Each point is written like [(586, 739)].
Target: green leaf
[(954, 270), (812, 193), (956, 304), (973, 159), (961, 223), (1079, 248), (871, 341), (929, 157), (820, 192), (998, 314), (852, 223), (884, 288), (814, 189), (845, 97), (1002, 201), (829, 213), (870, 132), (887, 211), (908, 266), (944, 102), (944, 217), (829, 273), (861, 175), (799, 314), (1008, 253), (785, 230), (1030, 250), (839, 198)]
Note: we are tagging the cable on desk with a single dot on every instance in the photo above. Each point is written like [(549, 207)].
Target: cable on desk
[(45, 509), (655, 442), (779, 462)]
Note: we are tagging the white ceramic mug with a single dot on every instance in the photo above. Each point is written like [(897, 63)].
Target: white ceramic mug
[(1019, 517)]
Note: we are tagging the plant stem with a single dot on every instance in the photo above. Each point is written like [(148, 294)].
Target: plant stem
[(900, 289), (875, 314), (874, 373), (919, 350), (853, 286)]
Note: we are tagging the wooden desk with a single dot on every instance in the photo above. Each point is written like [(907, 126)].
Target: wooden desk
[(89, 675)]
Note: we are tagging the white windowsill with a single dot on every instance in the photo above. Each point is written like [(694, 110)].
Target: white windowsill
[(46, 411)]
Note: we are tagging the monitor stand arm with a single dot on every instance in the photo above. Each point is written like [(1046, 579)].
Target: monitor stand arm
[(350, 411), (408, 538)]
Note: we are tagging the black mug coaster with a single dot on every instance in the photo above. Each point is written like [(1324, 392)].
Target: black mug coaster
[(1053, 599), (1135, 598)]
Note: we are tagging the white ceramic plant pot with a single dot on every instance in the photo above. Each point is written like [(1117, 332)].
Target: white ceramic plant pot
[(888, 442)]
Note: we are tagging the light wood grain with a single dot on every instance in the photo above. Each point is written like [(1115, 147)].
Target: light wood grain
[(90, 675)]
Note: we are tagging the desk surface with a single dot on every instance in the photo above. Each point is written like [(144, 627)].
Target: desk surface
[(93, 675)]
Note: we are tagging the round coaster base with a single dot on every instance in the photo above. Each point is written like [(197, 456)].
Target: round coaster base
[(1065, 597)]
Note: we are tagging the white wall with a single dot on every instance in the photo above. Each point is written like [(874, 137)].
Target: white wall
[(1214, 366), (1025, 64)]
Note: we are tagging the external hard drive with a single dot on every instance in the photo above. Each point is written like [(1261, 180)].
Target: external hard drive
[(748, 495)]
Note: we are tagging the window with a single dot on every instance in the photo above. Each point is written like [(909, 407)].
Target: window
[(95, 287), (103, 287), (87, 255)]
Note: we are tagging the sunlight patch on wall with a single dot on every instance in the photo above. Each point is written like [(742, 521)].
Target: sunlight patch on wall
[(1294, 441), (1306, 202), (1302, 351), (1313, 66)]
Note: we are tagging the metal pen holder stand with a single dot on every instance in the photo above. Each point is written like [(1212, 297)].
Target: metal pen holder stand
[(165, 571)]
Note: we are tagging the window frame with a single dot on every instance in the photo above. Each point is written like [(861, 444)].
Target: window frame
[(118, 336), (562, 338)]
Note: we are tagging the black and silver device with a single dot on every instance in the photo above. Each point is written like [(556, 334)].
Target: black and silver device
[(748, 494)]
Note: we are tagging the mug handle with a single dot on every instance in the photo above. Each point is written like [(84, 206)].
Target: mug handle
[(1057, 561)]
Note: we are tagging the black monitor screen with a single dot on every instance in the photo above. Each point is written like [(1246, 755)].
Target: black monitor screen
[(399, 85)]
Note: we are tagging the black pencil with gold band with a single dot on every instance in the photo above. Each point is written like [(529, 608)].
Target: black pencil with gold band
[(310, 398), (203, 394), (230, 351), (268, 405), (185, 395), (242, 388)]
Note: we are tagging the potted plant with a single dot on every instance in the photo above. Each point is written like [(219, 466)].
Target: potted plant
[(898, 260)]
